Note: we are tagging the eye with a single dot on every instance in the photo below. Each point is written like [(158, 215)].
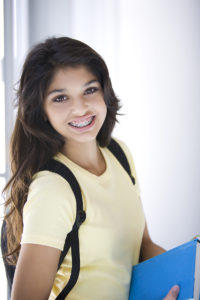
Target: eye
[(60, 99), (91, 90)]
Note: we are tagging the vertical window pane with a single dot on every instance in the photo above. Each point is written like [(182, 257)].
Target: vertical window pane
[(3, 282), (1, 30), (2, 128), (2, 184), (2, 94)]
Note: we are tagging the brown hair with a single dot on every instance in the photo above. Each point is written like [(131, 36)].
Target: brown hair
[(34, 141)]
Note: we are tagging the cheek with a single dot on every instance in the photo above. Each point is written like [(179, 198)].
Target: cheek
[(102, 106), (55, 115)]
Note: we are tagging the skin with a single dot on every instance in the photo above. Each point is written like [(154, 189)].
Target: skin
[(150, 249), (80, 97), (73, 97)]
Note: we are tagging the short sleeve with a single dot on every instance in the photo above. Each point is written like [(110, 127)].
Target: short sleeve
[(49, 213), (131, 163)]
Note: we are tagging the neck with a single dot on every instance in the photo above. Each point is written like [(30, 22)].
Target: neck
[(86, 155)]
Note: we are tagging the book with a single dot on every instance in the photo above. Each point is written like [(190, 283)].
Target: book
[(153, 278)]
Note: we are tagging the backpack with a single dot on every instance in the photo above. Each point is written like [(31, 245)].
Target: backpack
[(72, 239)]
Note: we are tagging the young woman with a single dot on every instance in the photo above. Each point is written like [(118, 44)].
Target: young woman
[(67, 110)]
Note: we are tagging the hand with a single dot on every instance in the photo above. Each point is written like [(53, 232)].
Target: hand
[(173, 293)]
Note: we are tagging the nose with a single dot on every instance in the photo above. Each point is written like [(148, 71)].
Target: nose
[(79, 106)]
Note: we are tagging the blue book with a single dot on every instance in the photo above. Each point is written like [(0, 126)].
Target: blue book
[(153, 278)]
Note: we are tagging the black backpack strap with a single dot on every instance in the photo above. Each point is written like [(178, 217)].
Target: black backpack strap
[(118, 152), (10, 269), (72, 239)]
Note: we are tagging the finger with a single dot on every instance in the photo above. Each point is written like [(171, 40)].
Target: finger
[(173, 293)]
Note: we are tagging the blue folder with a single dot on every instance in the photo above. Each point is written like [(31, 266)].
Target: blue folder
[(153, 278)]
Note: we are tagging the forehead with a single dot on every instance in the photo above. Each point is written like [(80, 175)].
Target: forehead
[(72, 75)]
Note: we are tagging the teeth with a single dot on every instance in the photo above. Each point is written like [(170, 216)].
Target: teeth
[(82, 124)]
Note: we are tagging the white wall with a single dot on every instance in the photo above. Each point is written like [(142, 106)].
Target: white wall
[(152, 50), (161, 94)]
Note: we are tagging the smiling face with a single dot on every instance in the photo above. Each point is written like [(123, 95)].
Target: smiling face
[(74, 104)]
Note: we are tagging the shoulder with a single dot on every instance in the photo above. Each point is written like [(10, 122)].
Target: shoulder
[(127, 152), (49, 189), (47, 182), (49, 212), (129, 157), (124, 147), (45, 178)]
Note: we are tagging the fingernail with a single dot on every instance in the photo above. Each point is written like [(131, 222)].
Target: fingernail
[(175, 290)]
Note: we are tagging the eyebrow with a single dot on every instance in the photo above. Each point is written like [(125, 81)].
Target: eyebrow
[(89, 82), (65, 90)]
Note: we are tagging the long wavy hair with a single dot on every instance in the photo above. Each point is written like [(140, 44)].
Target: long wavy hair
[(34, 141)]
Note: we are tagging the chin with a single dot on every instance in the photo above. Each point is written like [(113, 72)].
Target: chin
[(83, 139)]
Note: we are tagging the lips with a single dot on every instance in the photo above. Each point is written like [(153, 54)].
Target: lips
[(83, 122)]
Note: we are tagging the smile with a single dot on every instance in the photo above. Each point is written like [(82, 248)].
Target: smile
[(83, 123)]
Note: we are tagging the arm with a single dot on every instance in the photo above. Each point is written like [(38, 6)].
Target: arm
[(148, 247), (35, 272)]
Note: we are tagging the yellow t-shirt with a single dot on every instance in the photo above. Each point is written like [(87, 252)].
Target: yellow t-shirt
[(110, 238)]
